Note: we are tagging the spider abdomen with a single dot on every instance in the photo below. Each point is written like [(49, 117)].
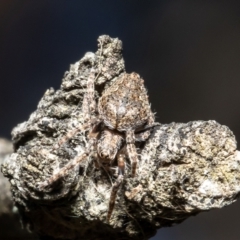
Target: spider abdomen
[(124, 105)]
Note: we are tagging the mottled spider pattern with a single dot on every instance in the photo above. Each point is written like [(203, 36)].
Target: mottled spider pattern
[(121, 116)]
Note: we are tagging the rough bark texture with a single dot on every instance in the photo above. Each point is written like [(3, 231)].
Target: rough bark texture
[(184, 169), (9, 219)]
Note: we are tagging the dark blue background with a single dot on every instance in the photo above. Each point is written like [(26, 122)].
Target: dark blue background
[(188, 52)]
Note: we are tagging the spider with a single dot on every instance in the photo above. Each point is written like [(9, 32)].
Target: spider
[(121, 116)]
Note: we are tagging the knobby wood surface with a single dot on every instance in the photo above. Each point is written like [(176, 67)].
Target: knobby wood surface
[(184, 168)]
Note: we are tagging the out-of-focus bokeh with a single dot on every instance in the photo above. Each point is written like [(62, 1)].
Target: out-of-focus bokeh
[(187, 51)]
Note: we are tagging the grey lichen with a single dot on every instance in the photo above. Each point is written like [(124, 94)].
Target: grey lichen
[(184, 169)]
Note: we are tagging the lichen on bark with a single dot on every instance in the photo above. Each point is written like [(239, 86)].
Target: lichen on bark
[(184, 168)]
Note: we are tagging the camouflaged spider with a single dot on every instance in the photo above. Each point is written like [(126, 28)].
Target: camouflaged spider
[(124, 114)]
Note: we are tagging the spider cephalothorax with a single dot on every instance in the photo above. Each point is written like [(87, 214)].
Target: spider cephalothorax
[(124, 115)]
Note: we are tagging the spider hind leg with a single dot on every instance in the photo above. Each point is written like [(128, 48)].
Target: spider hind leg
[(121, 168), (131, 150)]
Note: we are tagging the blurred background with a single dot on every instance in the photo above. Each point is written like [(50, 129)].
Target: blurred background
[(188, 52)]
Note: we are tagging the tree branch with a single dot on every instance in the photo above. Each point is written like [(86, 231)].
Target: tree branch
[(184, 169)]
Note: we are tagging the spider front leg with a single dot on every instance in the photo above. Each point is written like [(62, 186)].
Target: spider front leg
[(62, 172), (88, 109), (145, 133), (89, 104), (142, 136), (132, 151), (90, 122), (121, 168), (73, 163)]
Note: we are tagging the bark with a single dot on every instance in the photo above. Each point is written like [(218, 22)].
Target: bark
[(184, 168), (9, 219)]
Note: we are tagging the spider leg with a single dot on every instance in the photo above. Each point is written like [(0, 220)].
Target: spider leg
[(62, 171), (89, 103), (151, 119), (90, 122), (73, 163), (145, 132), (116, 185), (143, 136), (70, 134), (131, 149), (88, 107)]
